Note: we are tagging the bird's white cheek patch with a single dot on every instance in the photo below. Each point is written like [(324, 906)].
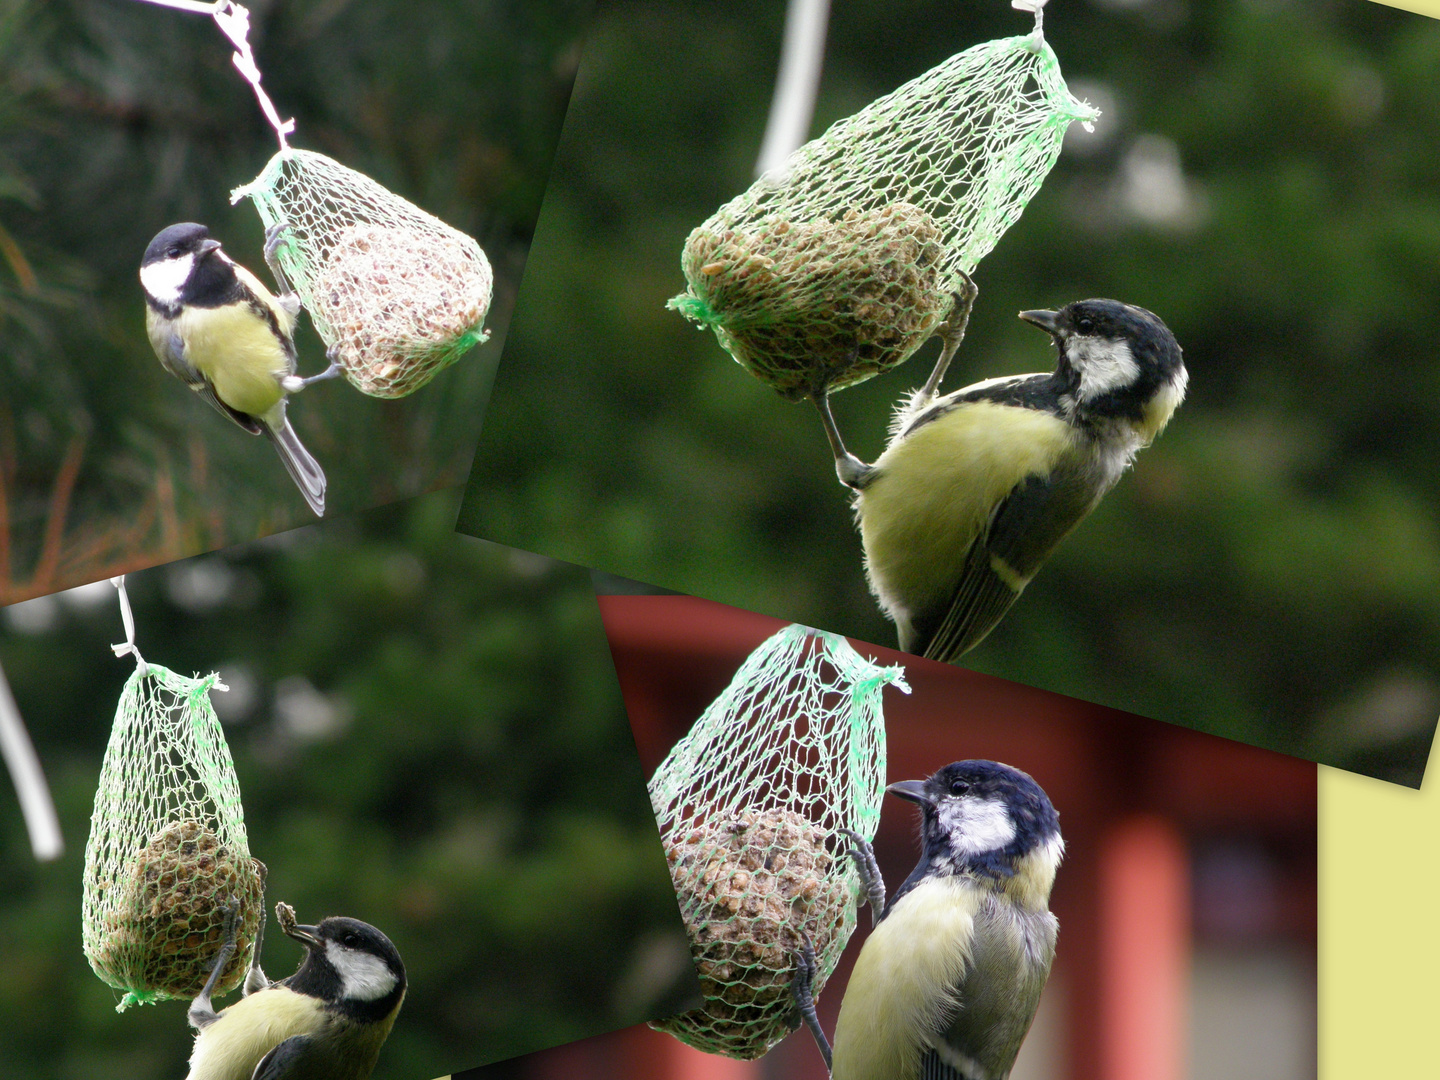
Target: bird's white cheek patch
[(1104, 365), (976, 825), (363, 976), (164, 280)]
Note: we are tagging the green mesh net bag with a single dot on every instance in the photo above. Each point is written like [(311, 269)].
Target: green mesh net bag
[(749, 804), (395, 293), (843, 263), (167, 850)]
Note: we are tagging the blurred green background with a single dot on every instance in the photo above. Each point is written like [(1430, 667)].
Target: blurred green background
[(1264, 177), (429, 736), (118, 118)]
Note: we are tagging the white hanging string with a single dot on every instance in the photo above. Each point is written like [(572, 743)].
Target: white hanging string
[(234, 23), (128, 646), (36, 804), (1037, 7)]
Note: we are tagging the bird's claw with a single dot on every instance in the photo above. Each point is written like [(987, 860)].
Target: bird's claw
[(202, 1012), (802, 990), (293, 384), (275, 239), (872, 884), (850, 470)]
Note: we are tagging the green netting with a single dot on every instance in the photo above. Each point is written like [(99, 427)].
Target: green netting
[(167, 848), (841, 265), (397, 294), (749, 804)]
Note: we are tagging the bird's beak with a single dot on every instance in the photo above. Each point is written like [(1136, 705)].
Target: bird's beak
[(309, 936), (208, 245), (911, 790), (1045, 320)]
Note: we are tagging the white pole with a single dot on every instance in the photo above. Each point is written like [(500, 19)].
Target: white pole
[(35, 801), (796, 84)]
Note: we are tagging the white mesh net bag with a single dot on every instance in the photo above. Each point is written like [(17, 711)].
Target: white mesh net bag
[(395, 293), (750, 804), (845, 261), (167, 850)]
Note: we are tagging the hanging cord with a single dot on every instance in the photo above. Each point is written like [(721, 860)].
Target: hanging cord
[(1037, 7), (234, 23), (36, 803), (128, 646), (796, 83)]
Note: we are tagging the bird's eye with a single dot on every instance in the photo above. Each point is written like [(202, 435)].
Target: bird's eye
[(959, 787), (351, 939), (1085, 324), (174, 253)]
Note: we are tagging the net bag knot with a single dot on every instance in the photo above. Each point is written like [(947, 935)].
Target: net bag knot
[(395, 293), (750, 803)]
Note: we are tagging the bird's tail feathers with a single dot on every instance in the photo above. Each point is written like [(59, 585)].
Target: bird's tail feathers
[(303, 468)]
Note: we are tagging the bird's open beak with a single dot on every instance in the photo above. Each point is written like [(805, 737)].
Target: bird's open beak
[(1045, 320), (208, 245), (912, 790), (309, 936)]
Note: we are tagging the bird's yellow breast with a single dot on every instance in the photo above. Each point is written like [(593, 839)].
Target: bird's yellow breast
[(238, 354), (934, 490), (231, 1047), (901, 993)]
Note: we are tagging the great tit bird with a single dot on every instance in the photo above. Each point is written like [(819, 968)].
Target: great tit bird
[(976, 488), (218, 329), (947, 984), (325, 1022)]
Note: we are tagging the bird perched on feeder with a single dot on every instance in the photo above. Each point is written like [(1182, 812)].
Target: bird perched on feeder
[(977, 487), (947, 984), (218, 329)]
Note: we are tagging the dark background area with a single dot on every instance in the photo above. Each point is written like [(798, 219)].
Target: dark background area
[(1264, 177), (429, 736), (118, 118)]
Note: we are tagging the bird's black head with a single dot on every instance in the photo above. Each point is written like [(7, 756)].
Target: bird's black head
[(349, 965), (184, 265), (177, 241), (1118, 360), (987, 819)]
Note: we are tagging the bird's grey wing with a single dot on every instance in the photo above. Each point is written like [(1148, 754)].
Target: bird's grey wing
[(290, 1060), (171, 350), (1022, 532), (998, 996)]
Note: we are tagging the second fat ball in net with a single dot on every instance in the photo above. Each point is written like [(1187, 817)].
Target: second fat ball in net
[(167, 852), (752, 805)]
